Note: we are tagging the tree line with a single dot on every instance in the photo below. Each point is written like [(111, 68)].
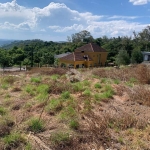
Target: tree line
[(121, 50)]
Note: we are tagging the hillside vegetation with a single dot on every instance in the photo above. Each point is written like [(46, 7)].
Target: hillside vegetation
[(121, 50), (108, 109)]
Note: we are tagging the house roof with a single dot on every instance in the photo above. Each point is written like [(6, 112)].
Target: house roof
[(91, 47), (61, 55), (146, 53), (76, 56)]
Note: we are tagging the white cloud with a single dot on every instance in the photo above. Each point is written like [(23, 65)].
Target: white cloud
[(123, 17), (56, 21), (139, 2)]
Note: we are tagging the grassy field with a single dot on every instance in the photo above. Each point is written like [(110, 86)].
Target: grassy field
[(108, 109)]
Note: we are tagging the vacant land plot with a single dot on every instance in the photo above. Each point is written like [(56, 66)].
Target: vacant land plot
[(108, 108)]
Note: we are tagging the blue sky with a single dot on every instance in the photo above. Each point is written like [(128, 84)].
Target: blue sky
[(57, 19)]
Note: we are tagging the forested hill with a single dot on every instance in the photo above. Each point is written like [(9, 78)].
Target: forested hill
[(5, 42), (121, 50)]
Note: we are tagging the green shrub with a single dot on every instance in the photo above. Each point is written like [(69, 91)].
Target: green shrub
[(98, 85), (36, 79), (60, 137), (36, 125)]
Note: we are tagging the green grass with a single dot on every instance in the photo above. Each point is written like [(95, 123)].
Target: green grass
[(36, 125), (87, 92), (5, 86), (54, 105), (55, 77), (78, 87), (86, 83), (43, 88), (74, 124), (28, 146), (67, 113), (2, 111), (31, 89), (65, 95), (13, 139), (36, 79), (60, 137), (98, 85), (116, 81)]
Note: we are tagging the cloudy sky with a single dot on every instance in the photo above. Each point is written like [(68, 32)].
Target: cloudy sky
[(57, 19)]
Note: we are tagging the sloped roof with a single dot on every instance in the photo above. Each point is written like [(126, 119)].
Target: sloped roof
[(91, 47), (61, 55), (76, 56)]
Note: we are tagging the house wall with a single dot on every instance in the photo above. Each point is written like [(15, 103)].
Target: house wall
[(99, 58), (75, 63)]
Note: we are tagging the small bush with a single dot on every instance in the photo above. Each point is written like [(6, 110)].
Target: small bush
[(36, 125)]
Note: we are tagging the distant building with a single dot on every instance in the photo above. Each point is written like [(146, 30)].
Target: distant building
[(89, 55), (146, 56)]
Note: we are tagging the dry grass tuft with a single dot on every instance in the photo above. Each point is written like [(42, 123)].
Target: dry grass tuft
[(48, 71), (140, 94), (140, 72)]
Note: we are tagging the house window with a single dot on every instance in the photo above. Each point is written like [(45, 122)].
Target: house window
[(82, 51)]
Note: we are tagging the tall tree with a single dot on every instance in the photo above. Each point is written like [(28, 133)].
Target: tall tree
[(83, 36)]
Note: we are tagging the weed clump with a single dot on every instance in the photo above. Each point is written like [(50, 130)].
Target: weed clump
[(36, 79), (60, 138), (13, 140), (36, 125)]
